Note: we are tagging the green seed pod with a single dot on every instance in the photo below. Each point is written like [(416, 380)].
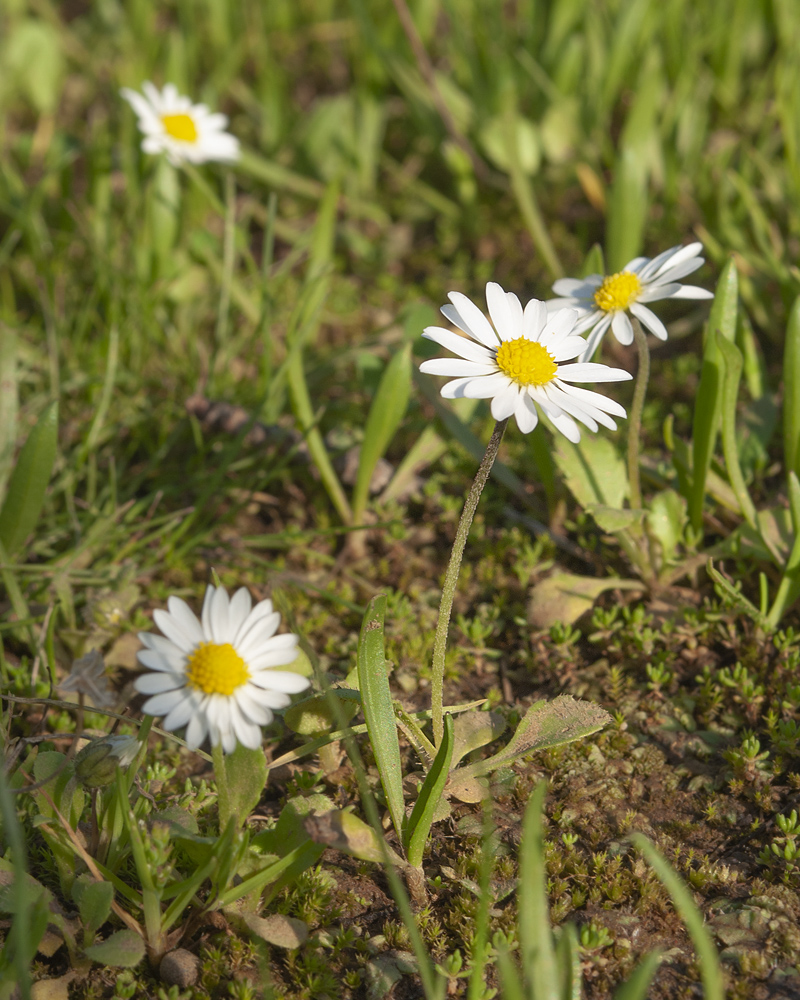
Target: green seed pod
[(96, 764)]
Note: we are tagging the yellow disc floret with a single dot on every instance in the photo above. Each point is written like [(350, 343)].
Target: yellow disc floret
[(180, 127), (526, 362), (216, 669), (618, 291)]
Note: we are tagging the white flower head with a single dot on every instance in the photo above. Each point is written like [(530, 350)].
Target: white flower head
[(217, 676), (604, 301), (517, 363), (172, 125)]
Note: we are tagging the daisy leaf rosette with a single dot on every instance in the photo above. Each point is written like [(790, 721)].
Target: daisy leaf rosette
[(604, 301), (182, 131), (516, 360), (217, 676)]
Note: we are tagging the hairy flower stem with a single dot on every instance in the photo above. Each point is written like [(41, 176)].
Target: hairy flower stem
[(451, 578), (635, 421)]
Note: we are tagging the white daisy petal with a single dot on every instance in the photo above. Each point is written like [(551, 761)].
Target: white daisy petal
[(566, 348), (650, 320), (534, 319), (259, 634), (196, 730), (272, 699), (163, 703), (594, 338), (205, 617), (474, 322), (172, 630), (158, 683), (467, 349), (456, 366), (185, 619), (181, 714), (579, 288), (692, 292), (622, 329), (484, 388), (507, 320), (655, 293), (505, 402), (455, 389), (526, 414), (279, 680), (153, 660), (250, 708), (589, 371), (595, 399), (220, 604)]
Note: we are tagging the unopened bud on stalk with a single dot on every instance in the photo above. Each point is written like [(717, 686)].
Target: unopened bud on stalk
[(96, 764)]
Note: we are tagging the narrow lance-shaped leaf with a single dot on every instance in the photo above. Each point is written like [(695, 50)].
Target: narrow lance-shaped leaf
[(376, 700), (708, 404), (28, 482), (419, 823), (732, 372), (791, 391), (385, 416)]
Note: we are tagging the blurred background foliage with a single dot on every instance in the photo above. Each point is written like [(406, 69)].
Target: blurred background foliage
[(453, 129)]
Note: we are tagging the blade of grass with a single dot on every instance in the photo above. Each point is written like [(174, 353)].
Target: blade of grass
[(708, 959), (537, 953), (791, 391), (385, 416), (708, 404), (28, 483)]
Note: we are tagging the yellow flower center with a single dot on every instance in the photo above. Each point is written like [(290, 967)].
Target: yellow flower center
[(216, 669), (180, 127), (618, 291), (526, 362)]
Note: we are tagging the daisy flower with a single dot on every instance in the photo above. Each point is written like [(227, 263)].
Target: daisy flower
[(604, 301), (517, 363), (217, 676), (183, 131)]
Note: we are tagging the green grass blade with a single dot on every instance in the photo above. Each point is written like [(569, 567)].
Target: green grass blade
[(708, 405), (627, 209), (732, 372), (316, 284), (537, 952), (419, 822), (789, 587), (568, 962), (9, 402), (791, 391), (385, 416), (376, 699), (710, 970), (637, 986), (28, 482)]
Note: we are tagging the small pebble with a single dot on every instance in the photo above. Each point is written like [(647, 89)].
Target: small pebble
[(179, 968)]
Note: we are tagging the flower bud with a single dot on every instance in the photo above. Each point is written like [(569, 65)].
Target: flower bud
[(96, 764)]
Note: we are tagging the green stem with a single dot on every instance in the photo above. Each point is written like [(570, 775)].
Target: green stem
[(451, 579), (223, 794), (635, 420)]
